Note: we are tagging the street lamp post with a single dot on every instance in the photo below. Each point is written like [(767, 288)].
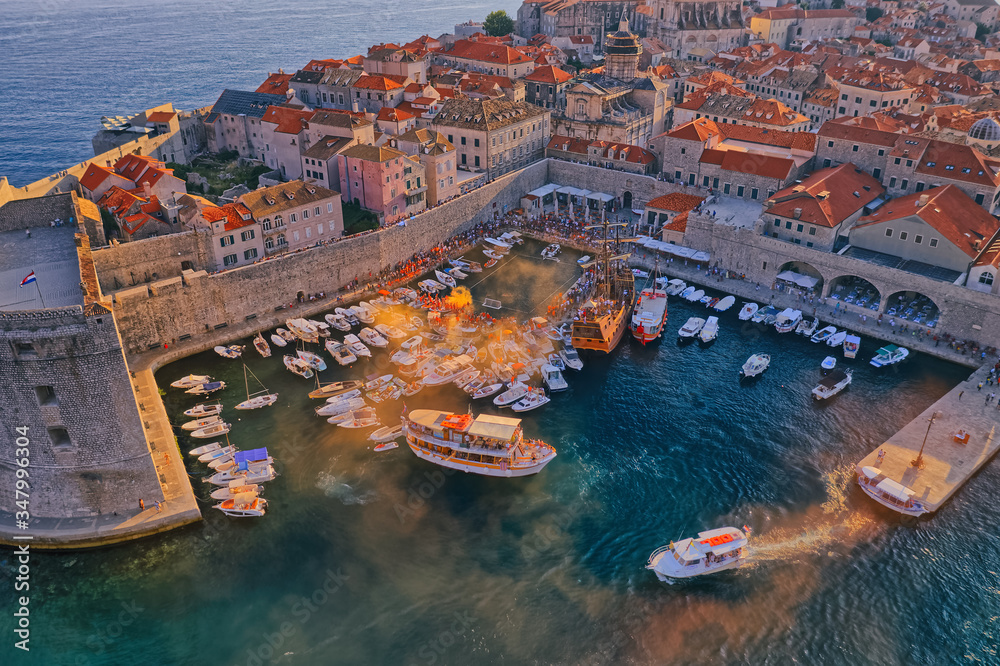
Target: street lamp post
[(918, 462)]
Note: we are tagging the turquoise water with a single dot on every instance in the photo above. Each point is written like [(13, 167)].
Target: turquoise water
[(382, 558)]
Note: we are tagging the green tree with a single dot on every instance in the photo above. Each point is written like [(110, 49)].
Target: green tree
[(982, 30), (498, 24), (837, 4), (873, 14)]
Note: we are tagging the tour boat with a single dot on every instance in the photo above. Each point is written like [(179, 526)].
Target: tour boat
[(649, 314), (851, 345), (516, 391), (357, 347), (234, 488), (553, 378), (709, 331), (675, 286), (690, 329), (191, 381), (315, 361), (832, 384), (386, 446), (724, 304), (258, 399), (285, 334), (211, 430), (303, 330), (485, 444), (260, 344), (390, 332), (755, 365), (201, 423), (338, 321), (837, 339), (712, 551), (343, 356), (606, 310), (206, 388), (334, 389), (787, 320), (829, 363), (216, 453), (448, 371), (245, 505), (823, 334), (361, 418), (372, 337), (444, 278), (806, 327), (571, 358), (338, 407), (534, 399), (889, 355), (203, 410), (205, 448), (298, 366), (278, 340), (889, 493), (695, 296), (232, 351), (387, 433), (748, 310)]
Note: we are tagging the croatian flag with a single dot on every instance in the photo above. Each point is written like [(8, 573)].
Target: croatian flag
[(29, 279)]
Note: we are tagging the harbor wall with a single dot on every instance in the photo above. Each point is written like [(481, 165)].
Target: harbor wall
[(150, 259), (196, 304), (599, 179)]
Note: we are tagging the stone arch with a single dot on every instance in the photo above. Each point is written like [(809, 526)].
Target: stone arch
[(804, 269), (855, 291), (627, 200), (909, 306)]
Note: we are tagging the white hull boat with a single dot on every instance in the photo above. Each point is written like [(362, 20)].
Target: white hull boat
[(832, 384), (340, 407), (553, 378), (278, 340), (571, 358), (511, 395), (215, 454), (386, 434), (205, 389), (755, 365), (829, 363), (201, 423), (710, 552), (691, 328), (356, 347), (390, 332), (724, 304), (444, 278), (235, 488), (339, 322), (889, 355), (298, 366), (259, 474), (695, 296), (487, 391), (248, 505), (710, 330), (533, 400), (258, 401), (372, 338), (806, 327), (823, 334), (212, 430), (191, 381), (206, 448), (787, 320), (748, 310), (675, 287), (837, 339), (852, 343), (260, 344), (203, 410), (315, 361), (232, 351)]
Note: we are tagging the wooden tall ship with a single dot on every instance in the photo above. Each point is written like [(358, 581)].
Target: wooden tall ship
[(605, 316)]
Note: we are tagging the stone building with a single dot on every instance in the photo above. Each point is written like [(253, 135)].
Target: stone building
[(618, 156), (786, 26), (236, 236), (383, 180), (234, 122), (668, 215), (494, 136), (295, 215), (572, 18), (439, 159), (686, 27), (396, 62), (486, 58), (546, 87), (741, 110), (329, 133), (864, 93), (182, 133)]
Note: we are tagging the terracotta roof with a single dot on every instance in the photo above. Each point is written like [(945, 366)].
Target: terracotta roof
[(498, 54), (94, 176), (753, 164), (785, 14), (131, 223), (947, 209), (389, 114), (957, 162), (232, 213), (377, 82), (771, 137), (677, 202), (827, 197), (708, 78), (548, 74), (485, 113), (607, 149), (275, 84), (259, 201), (287, 119), (370, 153), (838, 129), (118, 201), (161, 116)]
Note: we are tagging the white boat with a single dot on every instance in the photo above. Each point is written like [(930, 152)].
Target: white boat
[(343, 356), (205, 448), (712, 551), (457, 273), (334, 389), (235, 488), (766, 315), (362, 418), (206, 388), (430, 286), (532, 400), (466, 377), (201, 423), (258, 399), (346, 395), (222, 464), (852, 343), (357, 347), (832, 384), (889, 355), (687, 292), (406, 349), (338, 407), (338, 321), (888, 492), (829, 363), (498, 244), (724, 304), (571, 358), (315, 361), (823, 334), (583, 260), (748, 310), (448, 371), (303, 330), (516, 391), (710, 330), (260, 344), (298, 366), (787, 320), (386, 434), (211, 430), (837, 339), (363, 313), (551, 251), (556, 361), (695, 296), (553, 378), (386, 446), (487, 391), (348, 315), (216, 453), (807, 327), (639, 273), (253, 466), (649, 314), (232, 351), (203, 410), (390, 332), (755, 365), (191, 381), (675, 287), (278, 340), (444, 278), (245, 505), (486, 445), (285, 334), (691, 328), (372, 337), (705, 300)]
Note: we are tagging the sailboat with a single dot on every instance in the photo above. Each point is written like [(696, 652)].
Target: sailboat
[(606, 312), (258, 399)]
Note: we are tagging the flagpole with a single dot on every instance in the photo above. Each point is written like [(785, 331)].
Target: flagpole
[(39, 290)]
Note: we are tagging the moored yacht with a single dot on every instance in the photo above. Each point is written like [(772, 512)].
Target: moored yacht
[(823, 334), (709, 331), (806, 327), (191, 381), (712, 551), (787, 320), (748, 310), (244, 505), (832, 384), (889, 355)]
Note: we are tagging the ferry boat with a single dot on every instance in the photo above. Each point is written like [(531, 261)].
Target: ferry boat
[(852, 343), (748, 310), (832, 384), (889, 493), (650, 312), (755, 365), (605, 316), (712, 551), (787, 320), (889, 355), (485, 444)]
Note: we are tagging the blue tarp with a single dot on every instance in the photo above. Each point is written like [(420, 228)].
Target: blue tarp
[(243, 458)]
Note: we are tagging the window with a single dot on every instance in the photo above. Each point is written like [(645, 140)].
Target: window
[(309, 232), (46, 395), (788, 225), (980, 199), (295, 236), (753, 193), (902, 235), (920, 187), (892, 182), (475, 143), (986, 277), (857, 100), (266, 224), (329, 208), (247, 235), (812, 232), (881, 152), (319, 229), (293, 218), (280, 240), (777, 223), (888, 233), (278, 222), (715, 183), (918, 239), (229, 260), (799, 228), (826, 163), (226, 240), (726, 188), (269, 243), (904, 185), (854, 148), (739, 190), (809, 244), (305, 214), (250, 254), (933, 242), (896, 161), (59, 438), (316, 211)]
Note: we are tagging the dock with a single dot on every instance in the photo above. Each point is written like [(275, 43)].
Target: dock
[(947, 462)]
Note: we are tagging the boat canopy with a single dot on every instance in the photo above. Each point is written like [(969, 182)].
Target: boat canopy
[(798, 278), (853, 339), (495, 427), (832, 379), (251, 456), (897, 490), (871, 472), (720, 541)]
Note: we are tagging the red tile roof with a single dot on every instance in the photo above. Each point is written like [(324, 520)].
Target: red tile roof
[(606, 149), (232, 213), (827, 197), (497, 54), (753, 164), (161, 116), (388, 114), (677, 202), (377, 82), (548, 74), (94, 176), (276, 84), (287, 119)]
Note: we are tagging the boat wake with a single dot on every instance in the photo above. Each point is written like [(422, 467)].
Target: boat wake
[(334, 488)]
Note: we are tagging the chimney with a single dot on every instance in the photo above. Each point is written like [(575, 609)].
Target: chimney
[(797, 213), (146, 189), (977, 244), (924, 198)]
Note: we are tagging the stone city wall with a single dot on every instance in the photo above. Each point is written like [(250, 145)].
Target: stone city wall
[(150, 259), (599, 179)]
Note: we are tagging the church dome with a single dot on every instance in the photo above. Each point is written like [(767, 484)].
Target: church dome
[(622, 42), (985, 129)]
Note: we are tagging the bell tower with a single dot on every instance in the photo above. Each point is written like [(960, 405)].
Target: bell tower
[(621, 52)]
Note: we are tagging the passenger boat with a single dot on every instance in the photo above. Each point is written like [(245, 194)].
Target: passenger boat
[(694, 296), (206, 388), (191, 381), (258, 399), (487, 445), (315, 361), (829, 363), (787, 320), (235, 488), (260, 344), (852, 343), (201, 423), (823, 334), (712, 551), (298, 366), (571, 358), (748, 310), (553, 378), (806, 327), (516, 391), (338, 321), (605, 314), (278, 340), (889, 355), (372, 338), (244, 505), (837, 339), (724, 304), (211, 430), (444, 278), (755, 365), (203, 410), (232, 351), (357, 347), (534, 399), (690, 329), (889, 493), (334, 389), (709, 331), (832, 384), (650, 312)]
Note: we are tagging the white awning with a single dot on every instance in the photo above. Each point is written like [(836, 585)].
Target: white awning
[(801, 280), (870, 472), (600, 196), (544, 190), (897, 490)]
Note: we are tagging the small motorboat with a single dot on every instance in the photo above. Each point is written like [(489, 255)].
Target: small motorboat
[(553, 378), (807, 327), (339, 407), (534, 399), (234, 488), (334, 389), (201, 423), (246, 505), (457, 273), (206, 388), (712, 551), (362, 418), (278, 340), (348, 315), (285, 334), (413, 388), (390, 332), (203, 410), (639, 273), (260, 344), (823, 334), (356, 347), (387, 433), (832, 384), (211, 430), (709, 331), (298, 366), (516, 391), (377, 382), (674, 287), (571, 358), (202, 450), (191, 381), (755, 365), (889, 355), (232, 351), (787, 320), (466, 377), (852, 343), (430, 286), (695, 296), (499, 245), (222, 464), (216, 453), (556, 361), (338, 321), (492, 262), (724, 304), (691, 328), (829, 363), (364, 314), (707, 300), (837, 339), (344, 356), (386, 446), (487, 391), (346, 395), (372, 338), (258, 401), (314, 361), (444, 278)]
